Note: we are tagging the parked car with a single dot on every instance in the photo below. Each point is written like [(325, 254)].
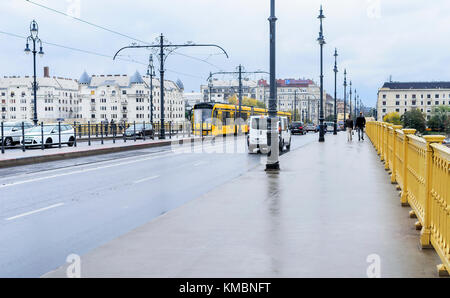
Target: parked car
[(311, 127), (257, 137), (50, 134), (297, 127), (12, 132), (139, 130), (329, 126)]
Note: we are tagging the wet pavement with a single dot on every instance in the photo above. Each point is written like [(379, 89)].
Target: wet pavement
[(53, 209), (328, 209)]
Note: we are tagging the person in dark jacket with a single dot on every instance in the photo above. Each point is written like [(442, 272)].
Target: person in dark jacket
[(349, 126), (360, 124)]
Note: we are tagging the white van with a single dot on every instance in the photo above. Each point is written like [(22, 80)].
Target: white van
[(257, 137)]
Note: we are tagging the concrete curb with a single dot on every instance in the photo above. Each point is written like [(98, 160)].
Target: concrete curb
[(68, 155)]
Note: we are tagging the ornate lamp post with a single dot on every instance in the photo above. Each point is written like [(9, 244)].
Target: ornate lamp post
[(35, 39), (151, 73), (335, 91), (272, 129), (321, 41), (345, 93)]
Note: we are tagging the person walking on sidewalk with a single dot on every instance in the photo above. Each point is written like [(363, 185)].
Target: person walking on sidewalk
[(360, 124), (349, 126)]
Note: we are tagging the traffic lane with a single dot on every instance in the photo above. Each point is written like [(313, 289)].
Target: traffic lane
[(54, 187), (50, 187), (81, 225), (40, 242)]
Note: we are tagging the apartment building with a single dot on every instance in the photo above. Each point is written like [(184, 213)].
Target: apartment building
[(127, 98), (96, 98), (403, 96), (221, 90), (57, 98), (300, 94)]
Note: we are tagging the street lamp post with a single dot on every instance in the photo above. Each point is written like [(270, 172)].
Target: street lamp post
[(355, 105), (210, 85), (272, 138), (350, 100), (151, 74), (335, 91), (321, 41), (345, 93), (34, 28), (295, 105), (172, 47)]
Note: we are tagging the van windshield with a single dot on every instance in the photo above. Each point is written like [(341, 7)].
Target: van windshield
[(259, 123)]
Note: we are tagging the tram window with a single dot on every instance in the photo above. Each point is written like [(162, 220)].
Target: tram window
[(225, 116), (244, 116)]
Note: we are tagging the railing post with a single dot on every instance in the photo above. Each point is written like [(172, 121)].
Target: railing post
[(101, 134), (75, 134), (3, 141), (134, 130), (59, 134), (425, 233), (404, 196), (143, 125), (89, 133), (394, 152), (378, 127), (387, 163), (42, 135), (23, 136), (382, 141)]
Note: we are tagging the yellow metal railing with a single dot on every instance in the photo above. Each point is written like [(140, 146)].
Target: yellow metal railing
[(421, 168)]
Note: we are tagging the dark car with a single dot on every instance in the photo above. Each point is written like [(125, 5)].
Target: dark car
[(297, 128), (139, 130)]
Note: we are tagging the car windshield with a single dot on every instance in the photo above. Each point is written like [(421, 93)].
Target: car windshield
[(37, 129), (7, 126), (259, 123), (139, 126), (297, 124)]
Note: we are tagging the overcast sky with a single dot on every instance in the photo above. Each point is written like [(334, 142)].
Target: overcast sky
[(408, 39)]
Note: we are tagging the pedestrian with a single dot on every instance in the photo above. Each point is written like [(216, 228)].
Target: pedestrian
[(349, 126), (360, 124)]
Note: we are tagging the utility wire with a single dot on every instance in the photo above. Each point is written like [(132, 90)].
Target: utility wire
[(86, 22)]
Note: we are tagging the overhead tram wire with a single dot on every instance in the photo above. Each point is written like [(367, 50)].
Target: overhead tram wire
[(86, 22), (99, 54)]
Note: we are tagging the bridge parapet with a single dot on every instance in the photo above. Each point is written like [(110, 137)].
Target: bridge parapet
[(421, 168)]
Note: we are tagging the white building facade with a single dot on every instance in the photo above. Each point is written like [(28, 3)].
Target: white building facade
[(302, 95), (57, 98), (95, 99), (404, 96), (221, 90)]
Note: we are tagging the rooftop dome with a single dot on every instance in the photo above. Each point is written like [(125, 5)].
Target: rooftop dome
[(85, 79), (136, 78)]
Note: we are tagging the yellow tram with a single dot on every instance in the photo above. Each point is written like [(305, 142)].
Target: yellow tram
[(223, 119)]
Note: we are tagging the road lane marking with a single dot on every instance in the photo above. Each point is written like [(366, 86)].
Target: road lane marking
[(34, 211), (146, 179), (77, 172)]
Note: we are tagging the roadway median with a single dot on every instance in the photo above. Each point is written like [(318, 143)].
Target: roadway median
[(19, 158)]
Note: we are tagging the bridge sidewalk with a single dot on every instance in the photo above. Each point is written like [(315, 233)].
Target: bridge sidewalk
[(330, 207)]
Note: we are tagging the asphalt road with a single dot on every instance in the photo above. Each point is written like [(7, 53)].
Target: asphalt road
[(54, 209)]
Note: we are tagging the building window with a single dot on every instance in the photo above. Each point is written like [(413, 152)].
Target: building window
[(429, 103), (436, 96), (397, 96), (413, 102), (384, 110), (397, 110), (384, 103), (414, 96), (384, 96), (397, 103), (428, 95), (436, 102)]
